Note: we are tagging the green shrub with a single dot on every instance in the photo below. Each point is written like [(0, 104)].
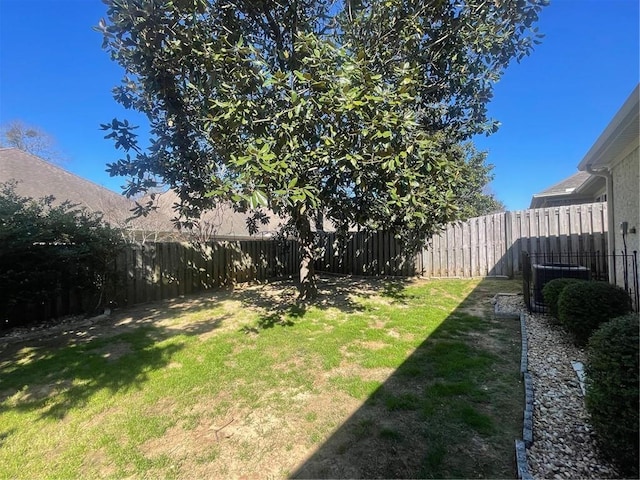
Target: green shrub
[(612, 390), (551, 292), (47, 249), (583, 306)]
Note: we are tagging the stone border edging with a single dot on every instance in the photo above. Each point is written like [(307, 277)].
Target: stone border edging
[(527, 428), (522, 465), (521, 461), (525, 346)]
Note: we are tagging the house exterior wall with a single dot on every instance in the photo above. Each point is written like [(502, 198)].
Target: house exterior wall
[(626, 191)]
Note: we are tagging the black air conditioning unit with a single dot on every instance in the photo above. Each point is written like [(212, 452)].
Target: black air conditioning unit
[(543, 273)]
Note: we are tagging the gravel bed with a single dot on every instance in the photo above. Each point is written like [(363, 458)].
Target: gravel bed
[(564, 443)]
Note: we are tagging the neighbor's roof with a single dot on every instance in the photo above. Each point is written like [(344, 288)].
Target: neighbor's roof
[(222, 220), (37, 178), (566, 186), (580, 187)]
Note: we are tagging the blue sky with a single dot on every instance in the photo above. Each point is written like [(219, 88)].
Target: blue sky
[(552, 106)]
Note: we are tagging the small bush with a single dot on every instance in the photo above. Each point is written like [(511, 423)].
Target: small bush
[(612, 390), (551, 292), (583, 306)]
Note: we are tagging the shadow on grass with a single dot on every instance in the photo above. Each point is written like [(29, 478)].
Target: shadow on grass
[(5, 435), (281, 315), (54, 379), (334, 291), (53, 371), (452, 409)]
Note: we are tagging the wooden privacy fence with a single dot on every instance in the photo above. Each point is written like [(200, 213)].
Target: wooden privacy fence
[(492, 245), (364, 253), (484, 246), (157, 271)]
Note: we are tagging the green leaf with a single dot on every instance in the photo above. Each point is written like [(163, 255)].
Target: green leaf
[(258, 199)]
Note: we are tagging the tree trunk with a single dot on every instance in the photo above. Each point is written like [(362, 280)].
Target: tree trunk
[(308, 288)]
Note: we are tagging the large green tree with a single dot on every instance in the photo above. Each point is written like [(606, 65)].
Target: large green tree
[(356, 110)]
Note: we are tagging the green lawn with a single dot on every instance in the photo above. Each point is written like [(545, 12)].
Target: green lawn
[(376, 379)]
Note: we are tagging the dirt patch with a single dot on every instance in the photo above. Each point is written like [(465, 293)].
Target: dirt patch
[(479, 306), (100, 418), (349, 370), (246, 443), (34, 393), (475, 311), (378, 323), (97, 463), (371, 345), (114, 351)]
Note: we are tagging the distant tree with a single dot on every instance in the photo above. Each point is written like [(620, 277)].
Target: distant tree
[(154, 227), (474, 201), (30, 139), (355, 110), (487, 204)]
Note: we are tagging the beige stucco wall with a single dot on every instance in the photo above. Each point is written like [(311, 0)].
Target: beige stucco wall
[(626, 191)]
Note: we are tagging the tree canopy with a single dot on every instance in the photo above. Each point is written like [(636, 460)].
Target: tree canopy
[(358, 111)]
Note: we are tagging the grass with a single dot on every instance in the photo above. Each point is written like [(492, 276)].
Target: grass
[(376, 379)]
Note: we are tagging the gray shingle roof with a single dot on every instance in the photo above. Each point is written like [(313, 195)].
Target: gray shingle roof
[(566, 186), (37, 178), (578, 188)]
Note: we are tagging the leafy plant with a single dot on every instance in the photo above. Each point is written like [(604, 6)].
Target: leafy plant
[(583, 306), (47, 248), (613, 390), (552, 290), (357, 112)]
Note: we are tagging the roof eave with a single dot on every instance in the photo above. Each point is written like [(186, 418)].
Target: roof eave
[(622, 129), (592, 185)]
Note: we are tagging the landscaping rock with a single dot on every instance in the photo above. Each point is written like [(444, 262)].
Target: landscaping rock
[(564, 444)]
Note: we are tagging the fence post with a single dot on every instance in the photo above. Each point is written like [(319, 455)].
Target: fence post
[(508, 243), (526, 279)]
